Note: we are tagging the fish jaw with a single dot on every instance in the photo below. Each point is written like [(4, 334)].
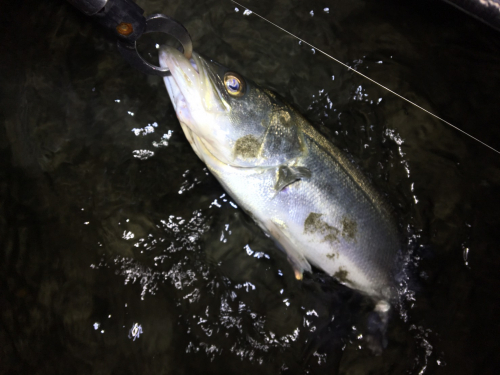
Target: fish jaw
[(198, 103)]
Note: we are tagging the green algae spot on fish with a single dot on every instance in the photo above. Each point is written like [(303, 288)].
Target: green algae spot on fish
[(341, 275), (314, 224), (349, 228), (247, 147)]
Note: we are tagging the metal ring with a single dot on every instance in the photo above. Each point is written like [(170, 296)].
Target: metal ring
[(157, 23)]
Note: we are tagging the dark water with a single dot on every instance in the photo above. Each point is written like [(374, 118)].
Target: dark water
[(109, 221)]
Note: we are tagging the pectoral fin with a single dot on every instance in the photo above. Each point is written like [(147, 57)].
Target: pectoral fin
[(286, 175)]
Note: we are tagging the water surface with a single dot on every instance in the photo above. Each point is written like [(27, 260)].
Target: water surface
[(121, 254)]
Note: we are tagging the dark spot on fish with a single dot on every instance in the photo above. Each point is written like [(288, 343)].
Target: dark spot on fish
[(349, 228), (333, 236), (247, 147), (314, 224), (341, 275), (331, 256)]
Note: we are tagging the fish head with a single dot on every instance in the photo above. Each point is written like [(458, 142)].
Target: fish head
[(227, 116)]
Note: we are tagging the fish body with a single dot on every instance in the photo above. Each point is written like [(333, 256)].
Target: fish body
[(297, 186)]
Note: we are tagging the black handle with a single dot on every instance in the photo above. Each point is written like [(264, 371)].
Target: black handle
[(125, 19)]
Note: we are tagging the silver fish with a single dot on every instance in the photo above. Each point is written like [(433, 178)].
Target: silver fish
[(298, 187)]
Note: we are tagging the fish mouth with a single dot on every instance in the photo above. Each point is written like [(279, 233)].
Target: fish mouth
[(197, 92), (193, 86)]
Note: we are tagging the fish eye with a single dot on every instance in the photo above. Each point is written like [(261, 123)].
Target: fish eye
[(235, 85)]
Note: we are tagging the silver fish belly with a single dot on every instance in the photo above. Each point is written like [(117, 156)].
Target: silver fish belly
[(298, 187)]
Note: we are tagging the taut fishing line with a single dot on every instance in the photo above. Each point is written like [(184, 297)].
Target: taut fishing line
[(368, 78)]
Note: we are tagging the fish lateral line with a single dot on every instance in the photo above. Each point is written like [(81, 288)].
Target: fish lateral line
[(370, 79)]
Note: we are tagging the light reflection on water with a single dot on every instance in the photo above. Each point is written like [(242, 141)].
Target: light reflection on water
[(221, 317)]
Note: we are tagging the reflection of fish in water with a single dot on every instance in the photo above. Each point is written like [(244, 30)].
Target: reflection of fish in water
[(296, 185)]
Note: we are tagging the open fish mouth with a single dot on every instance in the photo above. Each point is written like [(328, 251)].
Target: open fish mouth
[(199, 98), (192, 84), (182, 83)]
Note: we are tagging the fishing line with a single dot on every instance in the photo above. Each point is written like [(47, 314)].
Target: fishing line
[(368, 78)]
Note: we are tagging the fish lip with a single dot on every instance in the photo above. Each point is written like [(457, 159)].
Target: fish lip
[(192, 79), (198, 100), (182, 75)]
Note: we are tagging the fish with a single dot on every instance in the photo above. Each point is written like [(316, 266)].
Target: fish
[(301, 190)]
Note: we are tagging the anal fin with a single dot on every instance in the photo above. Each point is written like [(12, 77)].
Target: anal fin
[(282, 239)]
